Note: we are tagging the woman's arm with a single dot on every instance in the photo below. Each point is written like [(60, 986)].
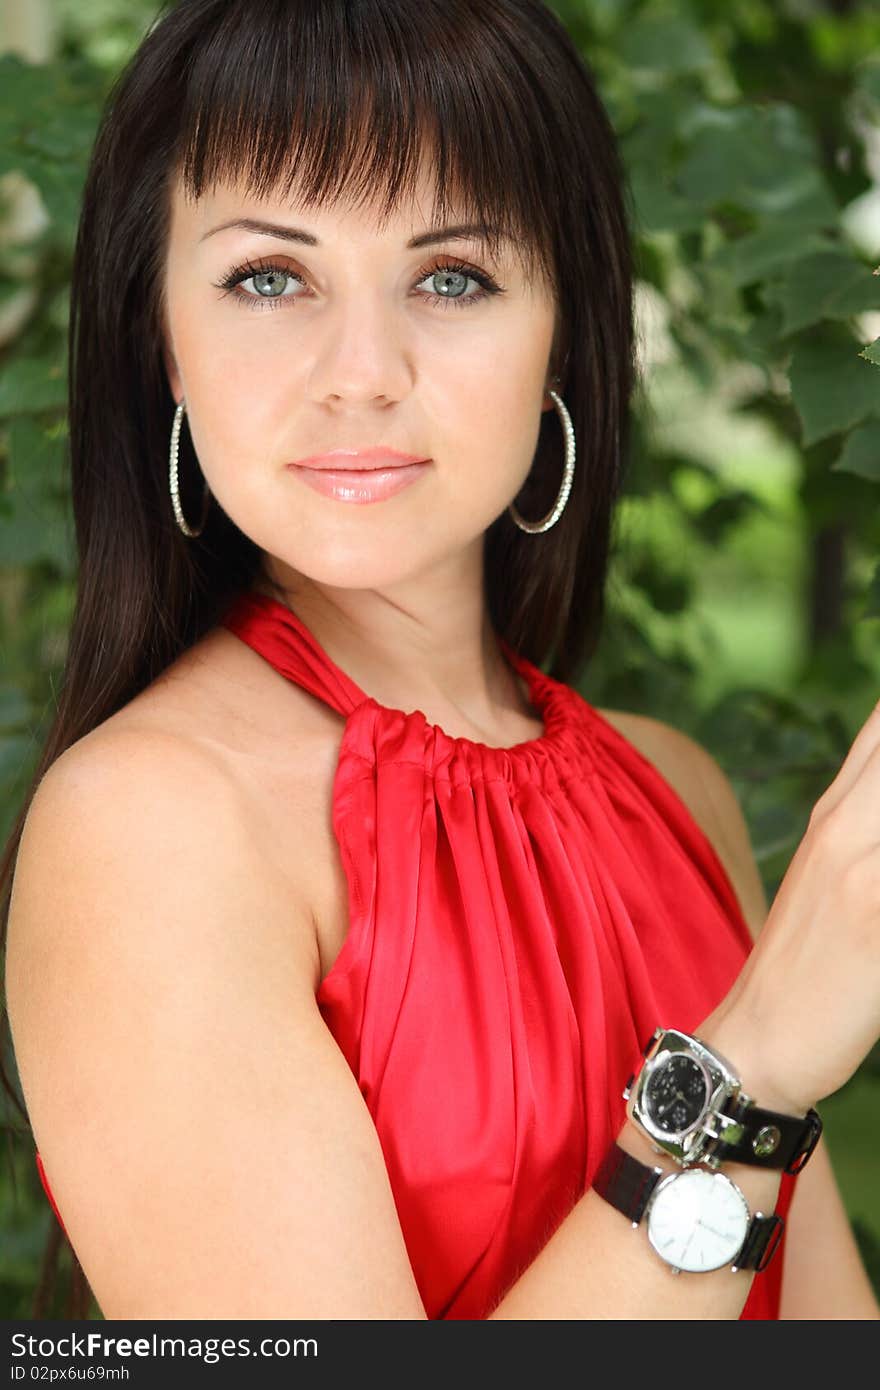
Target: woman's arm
[(824, 1274)]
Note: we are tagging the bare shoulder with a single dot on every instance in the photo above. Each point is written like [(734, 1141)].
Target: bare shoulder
[(137, 846), (189, 783), (703, 785)]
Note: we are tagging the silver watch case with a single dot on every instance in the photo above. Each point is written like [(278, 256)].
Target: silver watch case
[(699, 1141), (729, 1240)]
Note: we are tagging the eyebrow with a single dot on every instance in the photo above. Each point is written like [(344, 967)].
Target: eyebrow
[(463, 232)]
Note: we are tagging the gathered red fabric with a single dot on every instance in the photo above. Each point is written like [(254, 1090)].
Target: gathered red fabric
[(520, 921)]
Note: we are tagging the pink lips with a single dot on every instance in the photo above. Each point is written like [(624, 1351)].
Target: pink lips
[(371, 475), (357, 460)]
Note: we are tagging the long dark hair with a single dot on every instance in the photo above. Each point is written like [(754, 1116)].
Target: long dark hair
[(344, 98)]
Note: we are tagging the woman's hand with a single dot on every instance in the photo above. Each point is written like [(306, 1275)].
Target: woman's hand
[(805, 1009)]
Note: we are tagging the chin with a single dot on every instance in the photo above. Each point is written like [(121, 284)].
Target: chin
[(343, 565)]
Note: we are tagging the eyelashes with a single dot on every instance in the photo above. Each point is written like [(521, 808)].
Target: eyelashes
[(239, 273)]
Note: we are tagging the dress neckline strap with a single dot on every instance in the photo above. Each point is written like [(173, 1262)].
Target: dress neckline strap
[(283, 639)]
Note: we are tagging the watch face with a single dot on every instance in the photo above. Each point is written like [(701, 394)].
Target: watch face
[(676, 1094), (698, 1220)]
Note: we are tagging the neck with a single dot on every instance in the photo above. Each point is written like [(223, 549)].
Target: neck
[(432, 649)]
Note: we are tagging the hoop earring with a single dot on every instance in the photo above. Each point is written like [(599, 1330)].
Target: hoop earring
[(172, 479), (568, 475)]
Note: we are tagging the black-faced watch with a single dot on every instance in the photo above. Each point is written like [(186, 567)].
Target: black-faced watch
[(689, 1103), (697, 1219)]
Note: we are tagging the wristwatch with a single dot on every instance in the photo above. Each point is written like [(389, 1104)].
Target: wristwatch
[(697, 1219), (689, 1102)]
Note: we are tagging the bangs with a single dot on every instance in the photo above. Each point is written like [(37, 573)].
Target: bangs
[(355, 101)]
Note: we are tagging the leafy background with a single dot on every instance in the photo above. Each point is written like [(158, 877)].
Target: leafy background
[(745, 592)]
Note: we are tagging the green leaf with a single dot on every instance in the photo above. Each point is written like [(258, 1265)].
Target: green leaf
[(724, 513), (872, 597), (756, 256), (658, 206), (32, 384), (34, 523), (60, 186), (14, 708), (861, 452), (866, 78), (664, 44), (15, 752), (871, 353), (775, 829), (669, 592), (830, 388), (652, 142), (824, 285), (48, 120), (760, 342), (50, 110), (604, 14), (768, 734), (762, 158), (37, 458)]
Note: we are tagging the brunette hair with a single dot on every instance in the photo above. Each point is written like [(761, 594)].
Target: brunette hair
[(345, 97)]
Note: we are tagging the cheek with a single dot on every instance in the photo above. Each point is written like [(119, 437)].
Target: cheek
[(491, 434), (239, 408), (509, 386), (512, 435)]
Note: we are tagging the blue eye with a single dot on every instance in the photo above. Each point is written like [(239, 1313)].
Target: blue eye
[(462, 272), (269, 278)]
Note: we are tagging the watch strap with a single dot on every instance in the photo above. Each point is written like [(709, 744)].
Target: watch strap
[(767, 1138), (759, 1246), (627, 1184)]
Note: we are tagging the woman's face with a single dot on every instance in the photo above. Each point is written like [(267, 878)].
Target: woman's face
[(346, 341)]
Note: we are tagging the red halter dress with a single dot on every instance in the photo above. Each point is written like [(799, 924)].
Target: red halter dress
[(520, 921)]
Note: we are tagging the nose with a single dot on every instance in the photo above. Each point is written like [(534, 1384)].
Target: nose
[(362, 354)]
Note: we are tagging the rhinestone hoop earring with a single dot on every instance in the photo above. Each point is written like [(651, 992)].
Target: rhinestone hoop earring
[(172, 479), (568, 475)]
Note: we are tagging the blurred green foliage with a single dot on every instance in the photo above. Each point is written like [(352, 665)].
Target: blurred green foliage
[(745, 589)]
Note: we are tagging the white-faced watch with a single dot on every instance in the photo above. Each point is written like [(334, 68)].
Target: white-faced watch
[(697, 1219)]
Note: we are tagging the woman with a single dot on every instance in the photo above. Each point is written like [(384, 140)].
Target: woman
[(335, 1013)]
